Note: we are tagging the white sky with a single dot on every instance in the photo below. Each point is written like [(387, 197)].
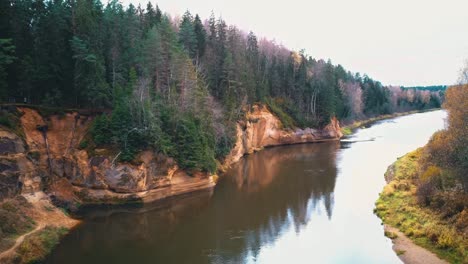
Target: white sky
[(399, 42)]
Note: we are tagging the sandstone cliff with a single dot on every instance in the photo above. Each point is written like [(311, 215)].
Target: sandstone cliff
[(262, 129), (48, 155)]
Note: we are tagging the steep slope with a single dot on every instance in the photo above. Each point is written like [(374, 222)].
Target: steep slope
[(261, 128), (49, 157)]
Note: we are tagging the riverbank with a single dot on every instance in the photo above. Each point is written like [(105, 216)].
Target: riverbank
[(348, 129), (32, 226), (398, 208), (260, 129), (408, 251), (43, 150)]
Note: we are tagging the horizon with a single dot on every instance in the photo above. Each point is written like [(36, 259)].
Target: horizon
[(435, 51)]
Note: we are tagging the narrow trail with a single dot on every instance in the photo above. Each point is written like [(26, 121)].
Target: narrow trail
[(10, 252), (44, 213), (410, 252)]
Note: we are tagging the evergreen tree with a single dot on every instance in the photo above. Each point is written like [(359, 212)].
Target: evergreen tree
[(178, 90), (187, 37), (200, 35), (6, 58)]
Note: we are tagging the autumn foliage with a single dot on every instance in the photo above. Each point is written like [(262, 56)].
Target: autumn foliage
[(443, 166), (448, 148)]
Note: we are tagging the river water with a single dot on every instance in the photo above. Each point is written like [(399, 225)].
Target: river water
[(294, 204)]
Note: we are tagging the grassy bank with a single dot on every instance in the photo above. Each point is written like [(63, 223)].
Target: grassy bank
[(30, 227), (347, 129), (398, 206), (15, 220), (38, 245)]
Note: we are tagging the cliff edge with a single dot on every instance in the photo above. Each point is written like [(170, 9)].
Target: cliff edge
[(46, 156)]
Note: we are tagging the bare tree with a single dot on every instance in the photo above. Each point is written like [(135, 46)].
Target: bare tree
[(353, 94), (463, 78)]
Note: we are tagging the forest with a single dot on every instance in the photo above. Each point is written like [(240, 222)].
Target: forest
[(174, 84), (427, 88)]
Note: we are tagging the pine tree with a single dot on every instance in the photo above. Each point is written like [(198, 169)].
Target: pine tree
[(200, 35), (6, 57), (187, 37)]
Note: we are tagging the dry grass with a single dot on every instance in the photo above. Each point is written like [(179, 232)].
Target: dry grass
[(37, 245), (14, 220), (398, 206)]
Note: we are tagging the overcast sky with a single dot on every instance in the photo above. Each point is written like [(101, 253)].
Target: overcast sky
[(399, 42)]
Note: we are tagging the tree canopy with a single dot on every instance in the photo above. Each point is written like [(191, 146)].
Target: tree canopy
[(178, 85)]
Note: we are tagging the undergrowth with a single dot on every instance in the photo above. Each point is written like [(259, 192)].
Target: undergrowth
[(398, 206), (38, 245)]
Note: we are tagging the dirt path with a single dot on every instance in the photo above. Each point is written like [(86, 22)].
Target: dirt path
[(410, 253), (44, 214), (19, 240)]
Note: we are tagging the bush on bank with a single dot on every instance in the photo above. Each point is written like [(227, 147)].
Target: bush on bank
[(435, 219)]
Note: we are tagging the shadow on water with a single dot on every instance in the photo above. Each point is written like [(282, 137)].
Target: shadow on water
[(260, 197), (300, 204)]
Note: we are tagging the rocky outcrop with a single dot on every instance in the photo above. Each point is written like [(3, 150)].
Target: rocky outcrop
[(262, 129), (48, 155), (17, 172)]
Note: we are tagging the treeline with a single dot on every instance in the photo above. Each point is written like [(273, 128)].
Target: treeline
[(445, 162), (178, 85), (427, 196), (442, 180), (432, 88)]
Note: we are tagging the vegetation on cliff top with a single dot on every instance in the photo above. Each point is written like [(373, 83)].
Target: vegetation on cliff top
[(427, 196), (178, 85)]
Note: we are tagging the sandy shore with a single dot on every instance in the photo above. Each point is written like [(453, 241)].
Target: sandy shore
[(409, 252)]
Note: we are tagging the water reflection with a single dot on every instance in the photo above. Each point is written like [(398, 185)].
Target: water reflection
[(297, 204), (275, 189), (259, 198)]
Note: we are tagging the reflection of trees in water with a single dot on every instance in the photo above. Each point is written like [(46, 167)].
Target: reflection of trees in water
[(131, 235), (261, 196), (277, 188)]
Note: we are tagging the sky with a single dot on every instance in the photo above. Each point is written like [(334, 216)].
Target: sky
[(397, 42)]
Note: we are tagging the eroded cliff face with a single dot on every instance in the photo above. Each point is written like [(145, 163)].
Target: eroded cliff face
[(48, 156), (263, 129), (17, 171)]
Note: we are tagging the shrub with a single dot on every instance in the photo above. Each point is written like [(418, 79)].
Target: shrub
[(276, 108), (346, 131), (35, 247), (409, 232), (424, 193), (430, 173), (13, 219), (5, 121), (390, 235), (462, 220), (403, 186), (83, 144), (100, 130), (225, 143), (10, 118), (439, 227), (446, 239)]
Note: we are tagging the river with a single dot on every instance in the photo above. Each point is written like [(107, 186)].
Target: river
[(308, 203)]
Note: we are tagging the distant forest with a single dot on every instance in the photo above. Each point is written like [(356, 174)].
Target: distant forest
[(431, 88), (174, 84)]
